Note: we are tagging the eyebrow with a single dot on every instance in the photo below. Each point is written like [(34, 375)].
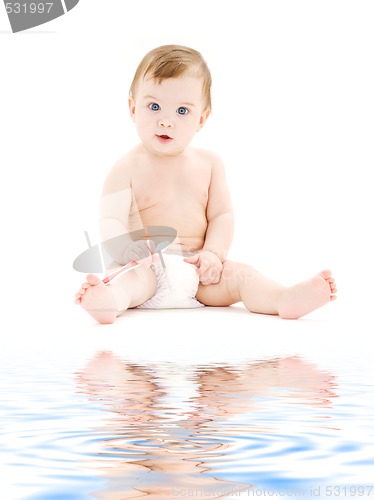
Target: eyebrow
[(190, 104)]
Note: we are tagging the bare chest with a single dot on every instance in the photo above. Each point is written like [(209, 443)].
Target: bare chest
[(166, 191)]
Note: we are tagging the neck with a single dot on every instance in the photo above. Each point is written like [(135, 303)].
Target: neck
[(166, 159)]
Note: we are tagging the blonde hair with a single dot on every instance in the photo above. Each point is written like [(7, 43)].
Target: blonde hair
[(173, 61)]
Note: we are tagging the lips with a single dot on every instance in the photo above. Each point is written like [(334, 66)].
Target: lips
[(164, 139)]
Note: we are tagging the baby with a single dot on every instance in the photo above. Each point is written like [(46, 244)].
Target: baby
[(164, 181)]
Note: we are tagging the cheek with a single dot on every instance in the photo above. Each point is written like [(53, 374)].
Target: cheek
[(192, 127), (143, 122)]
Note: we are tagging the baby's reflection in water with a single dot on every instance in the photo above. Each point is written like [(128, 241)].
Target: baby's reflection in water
[(168, 424)]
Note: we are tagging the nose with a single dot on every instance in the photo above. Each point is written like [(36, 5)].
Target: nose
[(165, 122)]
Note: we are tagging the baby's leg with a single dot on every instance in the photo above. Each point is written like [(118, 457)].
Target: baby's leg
[(106, 302), (242, 283)]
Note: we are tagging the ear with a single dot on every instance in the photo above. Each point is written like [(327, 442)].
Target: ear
[(132, 108), (203, 119)]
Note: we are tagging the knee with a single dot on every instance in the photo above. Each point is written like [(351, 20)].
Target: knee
[(236, 275)]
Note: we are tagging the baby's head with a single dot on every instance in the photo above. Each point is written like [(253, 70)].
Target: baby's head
[(173, 61)]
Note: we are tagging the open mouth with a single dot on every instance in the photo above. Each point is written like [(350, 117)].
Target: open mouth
[(164, 138)]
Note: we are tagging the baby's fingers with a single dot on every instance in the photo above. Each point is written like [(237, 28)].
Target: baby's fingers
[(211, 277), (209, 281), (194, 259), (203, 267)]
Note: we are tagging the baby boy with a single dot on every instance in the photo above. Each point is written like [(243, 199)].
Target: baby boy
[(164, 181)]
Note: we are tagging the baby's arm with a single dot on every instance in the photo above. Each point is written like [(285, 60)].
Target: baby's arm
[(220, 215), (220, 228), (115, 205)]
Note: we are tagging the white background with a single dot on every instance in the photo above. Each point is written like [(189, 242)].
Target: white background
[(293, 111), (293, 108)]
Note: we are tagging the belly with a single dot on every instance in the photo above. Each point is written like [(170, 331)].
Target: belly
[(187, 245), (190, 232)]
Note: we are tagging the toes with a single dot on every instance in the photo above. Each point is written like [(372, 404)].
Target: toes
[(332, 284), (326, 274), (92, 279), (83, 289), (81, 292)]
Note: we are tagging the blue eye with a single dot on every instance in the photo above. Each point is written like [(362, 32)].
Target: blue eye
[(154, 107), (182, 111)]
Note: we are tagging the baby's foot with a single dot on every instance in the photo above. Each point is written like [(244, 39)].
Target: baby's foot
[(97, 299), (307, 296)]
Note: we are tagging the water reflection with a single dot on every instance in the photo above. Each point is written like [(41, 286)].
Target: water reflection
[(173, 431)]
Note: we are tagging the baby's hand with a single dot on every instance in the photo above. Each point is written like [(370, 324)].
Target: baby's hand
[(209, 266), (141, 251)]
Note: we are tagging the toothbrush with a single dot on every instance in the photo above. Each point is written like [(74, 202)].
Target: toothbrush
[(131, 265), (124, 269)]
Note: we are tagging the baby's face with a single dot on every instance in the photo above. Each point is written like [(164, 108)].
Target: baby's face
[(167, 115)]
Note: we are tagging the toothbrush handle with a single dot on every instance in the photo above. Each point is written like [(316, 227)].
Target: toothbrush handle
[(127, 267)]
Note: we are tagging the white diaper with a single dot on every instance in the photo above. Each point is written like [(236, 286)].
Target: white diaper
[(177, 284)]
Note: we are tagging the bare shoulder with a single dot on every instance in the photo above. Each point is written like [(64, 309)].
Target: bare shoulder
[(120, 175), (210, 158)]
